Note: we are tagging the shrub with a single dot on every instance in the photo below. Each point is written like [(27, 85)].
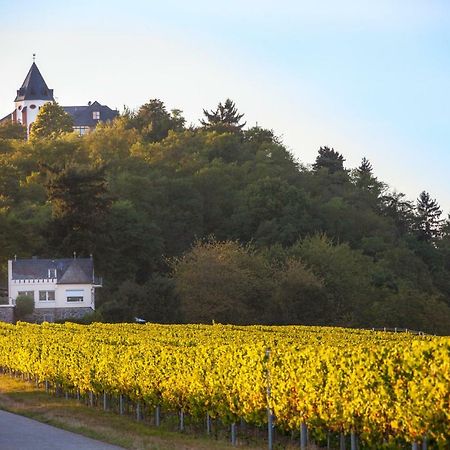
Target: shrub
[(24, 306)]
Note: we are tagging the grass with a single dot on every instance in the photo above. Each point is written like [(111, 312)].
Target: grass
[(26, 399)]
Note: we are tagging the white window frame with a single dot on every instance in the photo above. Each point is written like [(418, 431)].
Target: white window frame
[(46, 299), (96, 115), (74, 295)]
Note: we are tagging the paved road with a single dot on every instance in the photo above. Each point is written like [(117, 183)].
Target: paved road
[(21, 433)]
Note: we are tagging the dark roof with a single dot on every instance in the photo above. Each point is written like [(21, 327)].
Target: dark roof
[(83, 115), (34, 87), (68, 271)]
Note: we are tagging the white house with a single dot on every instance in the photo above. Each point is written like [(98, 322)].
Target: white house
[(61, 288), (34, 93)]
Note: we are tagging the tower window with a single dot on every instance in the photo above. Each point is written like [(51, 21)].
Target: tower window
[(20, 108), (32, 106), (96, 115)]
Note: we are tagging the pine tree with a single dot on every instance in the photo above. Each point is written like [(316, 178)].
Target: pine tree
[(401, 211), (364, 178), (365, 168), (80, 203), (428, 217), (329, 159), (224, 119)]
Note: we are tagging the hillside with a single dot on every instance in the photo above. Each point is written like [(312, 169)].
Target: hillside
[(220, 222)]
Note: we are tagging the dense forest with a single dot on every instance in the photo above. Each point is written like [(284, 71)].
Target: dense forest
[(219, 222)]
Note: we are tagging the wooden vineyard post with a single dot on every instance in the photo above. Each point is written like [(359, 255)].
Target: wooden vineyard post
[(158, 415), (233, 435), (269, 428), (303, 436), (342, 441), (208, 424), (138, 411), (121, 404), (269, 409), (181, 420), (353, 441)]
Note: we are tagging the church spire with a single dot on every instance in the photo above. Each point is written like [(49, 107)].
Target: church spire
[(34, 86)]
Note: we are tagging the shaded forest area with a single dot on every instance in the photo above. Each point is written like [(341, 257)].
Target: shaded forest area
[(219, 222)]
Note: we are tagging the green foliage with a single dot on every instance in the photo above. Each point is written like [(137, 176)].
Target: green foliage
[(428, 217), (11, 130), (223, 282), (80, 203), (24, 307), (154, 122), (322, 245), (329, 159), (300, 295), (224, 119), (52, 121)]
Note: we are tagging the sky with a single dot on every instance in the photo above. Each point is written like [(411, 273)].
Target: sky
[(370, 79)]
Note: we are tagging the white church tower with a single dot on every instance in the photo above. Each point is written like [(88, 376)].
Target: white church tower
[(30, 97)]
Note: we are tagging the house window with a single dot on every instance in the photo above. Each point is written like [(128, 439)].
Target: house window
[(74, 295), (81, 130), (46, 296), (96, 115), (52, 273), (26, 293)]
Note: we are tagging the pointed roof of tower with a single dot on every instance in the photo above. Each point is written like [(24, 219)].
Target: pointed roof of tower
[(34, 87)]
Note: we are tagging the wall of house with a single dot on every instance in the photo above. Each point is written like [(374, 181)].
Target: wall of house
[(31, 113), (53, 314), (65, 295)]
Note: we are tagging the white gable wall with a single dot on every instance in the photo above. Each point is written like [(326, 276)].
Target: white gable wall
[(63, 293), (31, 112)]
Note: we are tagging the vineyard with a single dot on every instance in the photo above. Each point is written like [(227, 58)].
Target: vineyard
[(388, 389)]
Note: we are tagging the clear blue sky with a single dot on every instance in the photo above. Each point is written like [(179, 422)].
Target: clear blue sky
[(367, 78)]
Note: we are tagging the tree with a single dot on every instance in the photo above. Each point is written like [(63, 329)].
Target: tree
[(428, 217), (300, 295), (154, 122), (24, 306), (346, 276), (153, 301), (364, 178), (224, 119), (51, 122), (400, 211), (223, 281), (80, 203), (131, 245), (329, 159), (11, 130)]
